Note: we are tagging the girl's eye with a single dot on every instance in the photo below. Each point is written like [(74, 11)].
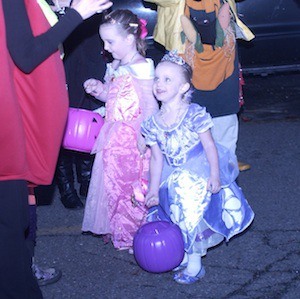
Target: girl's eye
[(168, 80), (156, 79)]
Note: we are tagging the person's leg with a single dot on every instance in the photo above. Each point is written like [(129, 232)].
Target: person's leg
[(194, 264), (44, 276), (225, 131), (84, 165), (16, 278), (193, 272), (30, 234), (65, 180)]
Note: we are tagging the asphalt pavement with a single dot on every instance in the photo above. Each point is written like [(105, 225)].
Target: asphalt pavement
[(263, 262)]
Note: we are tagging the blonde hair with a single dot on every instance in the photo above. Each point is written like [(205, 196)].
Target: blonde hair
[(130, 24)]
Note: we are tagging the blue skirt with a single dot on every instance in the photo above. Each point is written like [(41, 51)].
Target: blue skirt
[(205, 219)]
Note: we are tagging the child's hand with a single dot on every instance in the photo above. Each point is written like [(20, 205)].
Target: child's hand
[(93, 87), (151, 199), (141, 145), (213, 184)]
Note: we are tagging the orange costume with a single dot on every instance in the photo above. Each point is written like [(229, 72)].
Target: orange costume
[(204, 32), (212, 52)]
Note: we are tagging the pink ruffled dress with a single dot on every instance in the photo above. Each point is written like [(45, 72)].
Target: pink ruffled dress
[(119, 169)]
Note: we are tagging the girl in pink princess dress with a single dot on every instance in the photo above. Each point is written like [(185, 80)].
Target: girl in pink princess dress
[(114, 205)]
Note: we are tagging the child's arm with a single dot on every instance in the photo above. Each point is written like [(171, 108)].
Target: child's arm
[(156, 163), (141, 144), (95, 88), (149, 106), (209, 146), (149, 103)]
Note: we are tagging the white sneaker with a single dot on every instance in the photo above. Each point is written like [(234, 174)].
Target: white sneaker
[(45, 276)]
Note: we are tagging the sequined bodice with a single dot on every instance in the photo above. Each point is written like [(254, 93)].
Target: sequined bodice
[(177, 142)]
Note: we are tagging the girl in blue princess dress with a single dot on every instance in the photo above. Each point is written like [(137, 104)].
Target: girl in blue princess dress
[(192, 180)]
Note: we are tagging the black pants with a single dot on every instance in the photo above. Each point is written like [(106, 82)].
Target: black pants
[(16, 278), (30, 235)]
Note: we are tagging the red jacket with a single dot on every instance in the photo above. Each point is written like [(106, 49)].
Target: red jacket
[(33, 111)]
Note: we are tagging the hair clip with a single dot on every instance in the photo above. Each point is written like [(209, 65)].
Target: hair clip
[(144, 31), (133, 24)]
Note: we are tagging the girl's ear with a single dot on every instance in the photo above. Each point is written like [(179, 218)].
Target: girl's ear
[(185, 87), (130, 38)]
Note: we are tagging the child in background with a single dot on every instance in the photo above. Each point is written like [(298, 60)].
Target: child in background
[(192, 181), (121, 164)]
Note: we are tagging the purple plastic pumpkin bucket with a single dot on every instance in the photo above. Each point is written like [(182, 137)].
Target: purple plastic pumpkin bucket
[(82, 129), (158, 246)]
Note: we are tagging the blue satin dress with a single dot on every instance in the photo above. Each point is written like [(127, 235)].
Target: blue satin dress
[(204, 218)]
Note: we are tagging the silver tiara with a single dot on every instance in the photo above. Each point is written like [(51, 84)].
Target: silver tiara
[(172, 56)]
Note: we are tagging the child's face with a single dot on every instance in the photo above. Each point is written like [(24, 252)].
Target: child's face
[(168, 82), (114, 41)]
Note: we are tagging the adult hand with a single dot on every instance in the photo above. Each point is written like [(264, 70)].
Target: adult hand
[(87, 8), (61, 3)]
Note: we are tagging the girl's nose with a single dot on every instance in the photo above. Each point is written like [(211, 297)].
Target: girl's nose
[(105, 46)]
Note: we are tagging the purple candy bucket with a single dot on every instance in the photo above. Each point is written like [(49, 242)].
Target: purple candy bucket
[(158, 246), (82, 129)]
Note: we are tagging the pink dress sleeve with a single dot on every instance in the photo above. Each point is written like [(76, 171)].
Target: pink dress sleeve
[(143, 75)]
